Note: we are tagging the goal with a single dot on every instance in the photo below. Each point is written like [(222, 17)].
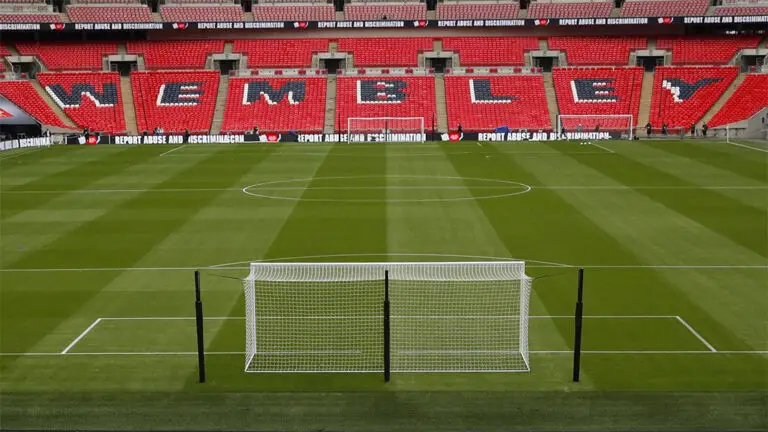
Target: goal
[(368, 317), (386, 129), (621, 126)]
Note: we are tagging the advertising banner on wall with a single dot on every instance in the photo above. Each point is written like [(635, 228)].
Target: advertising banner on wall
[(385, 24)]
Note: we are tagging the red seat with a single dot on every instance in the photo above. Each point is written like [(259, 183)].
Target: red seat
[(128, 13), (202, 13), (30, 18), (354, 100), (89, 112), (455, 11), (598, 50), (598, 91), (26, 97), (293, 111), (596, 9), (741, 10), (521, 103), (385, 51), (56, 56), (705, 49), (491, 51), (280, 52), (372, 12), (743, 104), (175, 54), (662, 8), (682, 95), (324, 12), (194, 113)]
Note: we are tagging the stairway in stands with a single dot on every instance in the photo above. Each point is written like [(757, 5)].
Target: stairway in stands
[(440, 105), (723, 98), (329, 125), (549, 90), (221, 104), (645, 100), (129, 109), (54, 107)]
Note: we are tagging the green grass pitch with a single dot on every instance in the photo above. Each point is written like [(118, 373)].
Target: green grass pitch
[(99, 245)]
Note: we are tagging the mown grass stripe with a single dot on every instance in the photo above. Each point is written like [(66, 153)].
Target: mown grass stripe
[(710, 154)]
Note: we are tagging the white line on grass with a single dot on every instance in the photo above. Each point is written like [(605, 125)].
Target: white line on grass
[(22, 153), (538, 352), (672, 267), (695, 333), (749, 147), (396, 316), (601, 147), (289, 188), (172, 150), (82, 335)]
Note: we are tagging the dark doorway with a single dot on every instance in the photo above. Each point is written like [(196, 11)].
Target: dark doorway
[(332, 65), (439, 64), (226, 66), (649, 63), (546, 63), (124, 68)]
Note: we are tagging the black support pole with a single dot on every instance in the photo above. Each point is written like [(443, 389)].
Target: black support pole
[(199, 322), (579, 318), (387, 359)]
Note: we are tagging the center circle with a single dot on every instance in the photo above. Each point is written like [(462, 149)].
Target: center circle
[(395, 188)]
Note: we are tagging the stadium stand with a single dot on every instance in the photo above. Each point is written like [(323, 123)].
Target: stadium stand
[(682, 95), (385, 52), (598, 91), (395, 11), (279, 104), (59, 56), (112, 13), (567, 9), (25, 97), (743, 104), (202, 13), (390, 96), (477, 10), (176, 101), (602, 50), (661, 8), (20, 1), (90, 99), (3, 52), (491, 51), (741, 10), (180, 54), (516, 101), (15, 17), (324, 12), (701, 50), (280, 52)]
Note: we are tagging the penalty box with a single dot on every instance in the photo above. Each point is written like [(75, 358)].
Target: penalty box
[(225, 335)]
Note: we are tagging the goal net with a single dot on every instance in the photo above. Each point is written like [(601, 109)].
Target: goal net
[(444, 317), (622, 125), (386, 129)]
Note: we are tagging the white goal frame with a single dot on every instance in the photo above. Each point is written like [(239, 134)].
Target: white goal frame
[(387, 129), (629, 128), (445, 317)]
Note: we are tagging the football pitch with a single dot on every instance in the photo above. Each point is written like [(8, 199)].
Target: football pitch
[(99, 245)]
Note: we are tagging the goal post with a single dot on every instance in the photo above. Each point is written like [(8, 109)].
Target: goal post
[(442, 317), (388, 129), (622, 125)]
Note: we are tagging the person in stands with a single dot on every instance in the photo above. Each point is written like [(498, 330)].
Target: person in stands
[(648, 129), (460, 129), (256, 130), (664, 129), (579, 127), (693, 129), (704, 129), (597, 127)]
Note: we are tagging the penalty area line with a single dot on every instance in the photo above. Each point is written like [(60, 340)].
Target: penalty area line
[(82, 335), (601, 147), (695, 333), (172, 150), (747, 147)]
